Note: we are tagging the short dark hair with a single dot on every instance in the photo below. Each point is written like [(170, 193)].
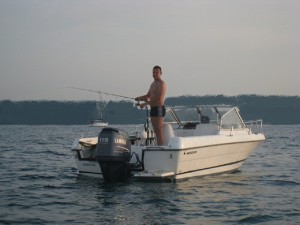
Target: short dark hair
[(157, 67)]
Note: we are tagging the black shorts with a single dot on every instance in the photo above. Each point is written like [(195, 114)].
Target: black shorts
[(158, 111)]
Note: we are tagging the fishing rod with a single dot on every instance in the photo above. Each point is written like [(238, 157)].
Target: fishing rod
[(101, 92)]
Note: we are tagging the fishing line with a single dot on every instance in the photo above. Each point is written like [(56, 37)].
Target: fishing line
[(101, 92)]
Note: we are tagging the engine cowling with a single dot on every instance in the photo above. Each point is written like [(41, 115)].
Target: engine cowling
[(113, 153)]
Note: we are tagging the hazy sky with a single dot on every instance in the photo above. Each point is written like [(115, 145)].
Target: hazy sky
[(205, 47)]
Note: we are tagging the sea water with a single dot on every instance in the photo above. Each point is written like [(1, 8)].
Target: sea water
[(40, 184)]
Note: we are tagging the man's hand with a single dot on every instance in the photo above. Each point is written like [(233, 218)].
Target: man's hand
[(143, 105)]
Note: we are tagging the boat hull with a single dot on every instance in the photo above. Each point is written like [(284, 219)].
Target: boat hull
[(88, 167), (187, 157), (194, 161), (98, 125)]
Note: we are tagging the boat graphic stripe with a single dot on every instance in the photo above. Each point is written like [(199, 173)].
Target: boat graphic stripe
[(196, 147), (213, 167), (90, 172)]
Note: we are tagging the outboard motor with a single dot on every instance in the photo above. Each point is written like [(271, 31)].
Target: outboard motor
[(113, 153)]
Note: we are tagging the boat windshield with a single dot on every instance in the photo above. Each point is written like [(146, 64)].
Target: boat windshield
[(231, 119), (224, 116), (181, 115)]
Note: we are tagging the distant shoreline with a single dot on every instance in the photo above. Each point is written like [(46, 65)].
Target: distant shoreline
[(279, 110)]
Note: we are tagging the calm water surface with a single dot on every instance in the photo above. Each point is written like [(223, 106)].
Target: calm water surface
[(39, 184)]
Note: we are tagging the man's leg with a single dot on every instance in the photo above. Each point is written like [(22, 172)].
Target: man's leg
[(157, 123)]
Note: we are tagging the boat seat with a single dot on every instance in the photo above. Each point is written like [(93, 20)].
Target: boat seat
[(206, 129), (167, 133)]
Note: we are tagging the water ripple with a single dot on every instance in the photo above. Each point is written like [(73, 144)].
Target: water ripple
[(39, 184)]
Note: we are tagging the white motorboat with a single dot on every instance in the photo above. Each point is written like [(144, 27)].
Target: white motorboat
[(98, 123), (198, 141), (101, 108)]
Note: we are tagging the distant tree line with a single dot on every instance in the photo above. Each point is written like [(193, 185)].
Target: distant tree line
[(272, 109)]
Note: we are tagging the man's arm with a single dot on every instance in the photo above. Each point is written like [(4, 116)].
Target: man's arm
[(145, 97)]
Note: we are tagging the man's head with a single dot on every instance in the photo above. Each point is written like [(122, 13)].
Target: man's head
[(156, 72), (157, 68)]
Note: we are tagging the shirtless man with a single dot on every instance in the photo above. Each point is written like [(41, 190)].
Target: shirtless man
[(156, 98)]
